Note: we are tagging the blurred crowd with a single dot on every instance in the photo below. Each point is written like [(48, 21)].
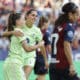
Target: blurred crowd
[(51, 9)]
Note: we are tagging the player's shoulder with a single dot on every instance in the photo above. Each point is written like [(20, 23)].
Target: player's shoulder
[(36, 28), (69, 25), (69, 30)]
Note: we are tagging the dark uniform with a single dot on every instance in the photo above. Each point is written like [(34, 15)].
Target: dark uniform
[(40, 63), (60, 71)]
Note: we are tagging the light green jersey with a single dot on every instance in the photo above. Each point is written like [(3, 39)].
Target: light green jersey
[(13, 66), (16, 51), (33, 35)]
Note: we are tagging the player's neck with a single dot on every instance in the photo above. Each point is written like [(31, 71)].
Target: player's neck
[(29, 25)]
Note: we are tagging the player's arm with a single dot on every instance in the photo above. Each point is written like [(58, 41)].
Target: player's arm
[(28, 48), (48, 48), (43, 51), (68, 37), (75, 42), (9, 33), (47, 40), (68, 52)]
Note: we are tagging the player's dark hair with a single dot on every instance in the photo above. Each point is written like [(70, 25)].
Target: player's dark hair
[(29, 12), (42, 21), (12, 20), (63, 18)]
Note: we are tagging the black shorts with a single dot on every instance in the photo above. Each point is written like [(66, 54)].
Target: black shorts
[(60, 74), (39, 67)]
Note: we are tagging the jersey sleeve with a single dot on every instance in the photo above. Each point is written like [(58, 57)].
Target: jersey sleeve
[(39, 35), (46, 38), (20, 38), (68, 33)]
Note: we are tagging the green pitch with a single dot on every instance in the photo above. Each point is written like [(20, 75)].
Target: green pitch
[(32, 77)]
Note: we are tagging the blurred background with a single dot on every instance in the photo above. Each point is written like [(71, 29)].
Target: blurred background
[(50, 9)]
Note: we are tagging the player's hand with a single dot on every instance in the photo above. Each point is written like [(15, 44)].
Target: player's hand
[(40, 44), (72, 70), (46, 64), (18, 33)]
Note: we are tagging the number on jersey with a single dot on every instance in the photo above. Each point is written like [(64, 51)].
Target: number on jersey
[(54, 40)]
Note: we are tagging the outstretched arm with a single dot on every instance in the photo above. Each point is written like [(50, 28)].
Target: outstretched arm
[(28, 48), (9, 33)]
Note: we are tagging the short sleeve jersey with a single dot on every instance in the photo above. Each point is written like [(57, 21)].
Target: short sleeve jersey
[(33, 35), (61, 34), (16, 49)]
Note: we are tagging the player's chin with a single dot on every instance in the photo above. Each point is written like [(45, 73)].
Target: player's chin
[(32, 22)]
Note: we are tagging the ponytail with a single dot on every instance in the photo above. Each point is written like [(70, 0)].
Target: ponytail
[(63, 18), (12, 20)]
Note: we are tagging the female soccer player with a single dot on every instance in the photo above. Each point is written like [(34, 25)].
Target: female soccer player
[(61, 49), (13, 66), (39, 68), (33, 35)]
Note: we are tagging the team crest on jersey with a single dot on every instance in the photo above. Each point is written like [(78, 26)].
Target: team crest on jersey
[(70, 34), (27, 39), (70, 24)]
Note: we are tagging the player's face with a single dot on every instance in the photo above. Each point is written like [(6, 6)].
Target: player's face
[(46, 25), (74, 16), (32, 17), (21, 21)]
